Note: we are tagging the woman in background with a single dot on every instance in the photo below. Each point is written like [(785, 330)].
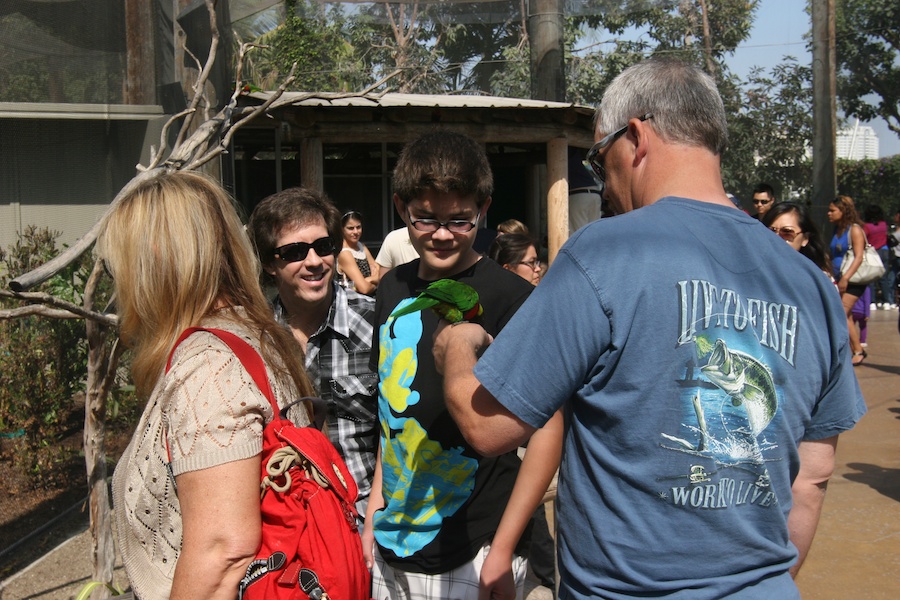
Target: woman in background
[(877, 232), (793, 223), (355, 263), (517, 252), (512, 226), (848, 233), (186, 489)]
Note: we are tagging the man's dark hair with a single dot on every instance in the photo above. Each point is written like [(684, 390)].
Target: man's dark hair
[(293, 207), (443, 161), (764, 188)]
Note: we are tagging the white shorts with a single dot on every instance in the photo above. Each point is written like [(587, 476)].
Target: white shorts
[(459, 584)]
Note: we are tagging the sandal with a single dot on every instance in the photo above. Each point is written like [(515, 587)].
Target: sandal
[(863, 354)]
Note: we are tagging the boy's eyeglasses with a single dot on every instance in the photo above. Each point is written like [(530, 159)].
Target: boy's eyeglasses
[(432, 225), (299, 250), (786, 233), (593, 156), (534, 263)]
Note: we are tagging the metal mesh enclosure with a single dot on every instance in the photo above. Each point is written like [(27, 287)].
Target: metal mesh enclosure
[(62, 51)]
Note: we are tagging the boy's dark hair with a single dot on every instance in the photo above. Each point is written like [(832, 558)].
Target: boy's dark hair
[(443, 161), (293, 207)]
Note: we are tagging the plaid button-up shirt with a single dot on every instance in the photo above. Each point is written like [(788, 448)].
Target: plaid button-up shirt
[(337, 361)]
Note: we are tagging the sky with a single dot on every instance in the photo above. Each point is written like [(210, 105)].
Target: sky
[(778, 31)]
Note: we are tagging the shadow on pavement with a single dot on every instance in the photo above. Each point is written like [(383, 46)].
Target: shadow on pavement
[(884, 481)]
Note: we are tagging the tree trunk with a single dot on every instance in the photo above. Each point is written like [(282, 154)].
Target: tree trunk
[(100, 364)]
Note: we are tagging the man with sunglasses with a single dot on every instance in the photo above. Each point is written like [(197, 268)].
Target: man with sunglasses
[(703, 366), (445, 521), (763, 200), (297, 237)]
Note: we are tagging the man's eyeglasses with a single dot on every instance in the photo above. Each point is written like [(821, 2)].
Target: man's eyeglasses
[(593, 156), (298, 250), (786, 233), (534, 263), (432, 225), (761, 201)]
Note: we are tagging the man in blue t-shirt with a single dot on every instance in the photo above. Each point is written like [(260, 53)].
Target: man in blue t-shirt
[(702, 365)]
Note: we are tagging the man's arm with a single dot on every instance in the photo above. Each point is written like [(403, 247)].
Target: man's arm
[(808, 491), (486, 424)]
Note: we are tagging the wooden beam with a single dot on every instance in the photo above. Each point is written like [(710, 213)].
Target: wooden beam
[(370, 133)]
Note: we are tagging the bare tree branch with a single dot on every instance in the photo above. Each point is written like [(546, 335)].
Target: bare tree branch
[(36, 310), (156, 157), (232, 127), (48, 300), (200, 84)]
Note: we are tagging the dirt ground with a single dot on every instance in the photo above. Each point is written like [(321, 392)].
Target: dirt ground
[(856, 553)]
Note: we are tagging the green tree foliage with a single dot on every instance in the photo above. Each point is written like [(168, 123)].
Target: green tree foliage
[(770, 130), (867, 42), (315, 38), (871, 182)]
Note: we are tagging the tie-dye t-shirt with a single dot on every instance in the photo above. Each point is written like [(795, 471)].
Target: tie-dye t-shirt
[(443, 499)]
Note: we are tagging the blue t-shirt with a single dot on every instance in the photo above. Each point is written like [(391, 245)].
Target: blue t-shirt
[(693, 350)]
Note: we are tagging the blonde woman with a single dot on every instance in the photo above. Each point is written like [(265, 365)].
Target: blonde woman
[(186, 490)]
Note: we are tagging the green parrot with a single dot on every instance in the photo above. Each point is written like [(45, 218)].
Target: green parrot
[(450, 299)]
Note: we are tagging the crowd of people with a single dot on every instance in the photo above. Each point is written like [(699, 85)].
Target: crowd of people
[(688, 392)]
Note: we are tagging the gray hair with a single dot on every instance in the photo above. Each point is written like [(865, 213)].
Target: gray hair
[(684, 101)]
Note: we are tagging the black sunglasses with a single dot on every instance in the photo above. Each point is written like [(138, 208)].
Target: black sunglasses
[(593, 155), (298, 250)]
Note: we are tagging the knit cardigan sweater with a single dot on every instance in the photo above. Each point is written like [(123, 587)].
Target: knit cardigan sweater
[(208, 410)]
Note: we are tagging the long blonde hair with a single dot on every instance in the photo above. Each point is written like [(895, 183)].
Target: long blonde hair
[(178, 252)]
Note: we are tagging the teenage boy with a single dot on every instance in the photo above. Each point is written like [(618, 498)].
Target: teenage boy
[(443, 520)]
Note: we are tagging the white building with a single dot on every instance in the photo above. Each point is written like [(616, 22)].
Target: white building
[(857, 143)]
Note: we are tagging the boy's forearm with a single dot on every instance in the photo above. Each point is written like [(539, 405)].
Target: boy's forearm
[(539, 465)]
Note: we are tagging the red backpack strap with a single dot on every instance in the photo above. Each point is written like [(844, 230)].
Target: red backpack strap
[(245, 353)]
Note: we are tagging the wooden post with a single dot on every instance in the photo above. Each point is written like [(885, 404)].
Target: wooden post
[(140, 80), (557, 195), (824, 178), (311, 164)]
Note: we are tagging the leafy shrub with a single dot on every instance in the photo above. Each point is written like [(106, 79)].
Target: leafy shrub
[(43, 362)]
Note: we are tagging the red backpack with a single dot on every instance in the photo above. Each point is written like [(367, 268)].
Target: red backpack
[(311, 548)]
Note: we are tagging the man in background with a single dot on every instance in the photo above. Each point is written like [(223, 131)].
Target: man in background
[(763, 200)]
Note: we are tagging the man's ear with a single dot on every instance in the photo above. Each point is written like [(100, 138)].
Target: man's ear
[(638, 129), (269, 269), (400, 206)]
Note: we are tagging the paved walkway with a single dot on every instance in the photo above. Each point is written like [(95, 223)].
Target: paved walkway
[(856, 553)]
